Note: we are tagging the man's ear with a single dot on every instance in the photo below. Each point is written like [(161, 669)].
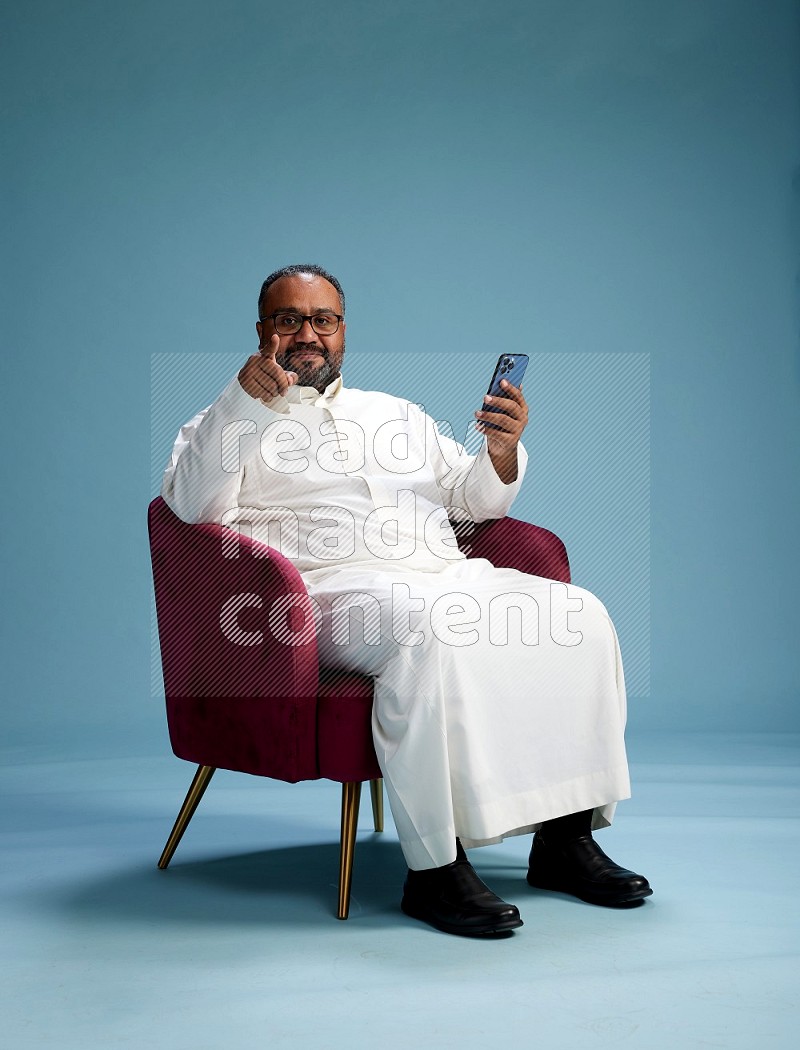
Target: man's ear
[(259, 329)]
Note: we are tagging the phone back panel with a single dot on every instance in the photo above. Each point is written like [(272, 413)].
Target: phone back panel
[(511, 367)]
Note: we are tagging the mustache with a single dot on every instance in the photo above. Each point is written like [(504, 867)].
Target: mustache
[(300, 347)]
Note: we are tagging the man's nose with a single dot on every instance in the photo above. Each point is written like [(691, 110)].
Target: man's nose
[(305, 334)]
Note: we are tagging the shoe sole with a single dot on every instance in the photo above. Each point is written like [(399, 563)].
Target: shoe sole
[(504, 926), (610, 902)]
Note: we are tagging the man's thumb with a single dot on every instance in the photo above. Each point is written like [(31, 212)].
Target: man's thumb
[(271, 348)]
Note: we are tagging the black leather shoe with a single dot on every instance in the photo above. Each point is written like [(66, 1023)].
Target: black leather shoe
[(453, 899), (578, 866)]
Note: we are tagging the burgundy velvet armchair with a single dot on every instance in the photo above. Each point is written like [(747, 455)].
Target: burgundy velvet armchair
[(240, 698)]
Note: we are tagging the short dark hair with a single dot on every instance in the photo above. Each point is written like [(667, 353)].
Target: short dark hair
[(291, 271)]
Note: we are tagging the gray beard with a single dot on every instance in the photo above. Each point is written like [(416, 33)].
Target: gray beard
[(318, 376)]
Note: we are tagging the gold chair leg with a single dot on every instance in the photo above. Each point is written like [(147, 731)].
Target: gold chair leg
[(201, 781), (376, 791), (351, 796)]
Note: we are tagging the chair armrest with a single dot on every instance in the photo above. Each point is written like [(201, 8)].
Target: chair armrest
[(513, 544), (223, 663)]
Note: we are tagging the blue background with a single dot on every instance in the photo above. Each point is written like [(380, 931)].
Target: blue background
[(561, 178)]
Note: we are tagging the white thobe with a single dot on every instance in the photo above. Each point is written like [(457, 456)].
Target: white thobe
[(499, 696)]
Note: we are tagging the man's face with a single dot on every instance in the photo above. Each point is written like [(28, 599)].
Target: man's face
[(317, 359)]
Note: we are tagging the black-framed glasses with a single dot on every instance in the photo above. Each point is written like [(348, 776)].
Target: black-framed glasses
[(287, 322)]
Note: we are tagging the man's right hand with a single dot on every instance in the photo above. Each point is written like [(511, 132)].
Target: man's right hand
[(263, 377)]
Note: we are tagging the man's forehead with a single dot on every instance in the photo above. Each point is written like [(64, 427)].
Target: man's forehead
[(299, 289)]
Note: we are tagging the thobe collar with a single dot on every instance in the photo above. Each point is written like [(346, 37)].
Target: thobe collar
[(309, 395)]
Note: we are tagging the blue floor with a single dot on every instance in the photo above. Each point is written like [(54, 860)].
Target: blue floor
[(236, 945)]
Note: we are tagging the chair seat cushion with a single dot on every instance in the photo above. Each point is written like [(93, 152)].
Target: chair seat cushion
[(266, 736)]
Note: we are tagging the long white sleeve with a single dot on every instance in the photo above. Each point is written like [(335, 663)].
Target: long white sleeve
[(204, 474), (470, 483)]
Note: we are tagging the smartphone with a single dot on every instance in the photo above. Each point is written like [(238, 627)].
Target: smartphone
[(511, 367)]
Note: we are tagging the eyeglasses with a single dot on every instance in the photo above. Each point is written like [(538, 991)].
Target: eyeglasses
[(287, 322)]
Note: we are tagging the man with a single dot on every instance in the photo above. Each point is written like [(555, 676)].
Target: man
[(481, 730)]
